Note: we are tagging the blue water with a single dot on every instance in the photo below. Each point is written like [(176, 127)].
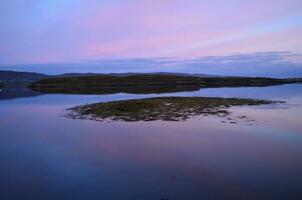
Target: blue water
[(44, 155)]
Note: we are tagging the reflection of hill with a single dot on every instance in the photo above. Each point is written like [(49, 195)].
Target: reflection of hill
[(121, 89), (17, 92)]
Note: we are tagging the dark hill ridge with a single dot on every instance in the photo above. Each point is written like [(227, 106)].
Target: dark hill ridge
[(107, 84), (10, 76), (19, 81), (7, 76), (91, 84), (159, 82)]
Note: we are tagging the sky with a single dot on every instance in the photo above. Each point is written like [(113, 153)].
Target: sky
[(253, 37)]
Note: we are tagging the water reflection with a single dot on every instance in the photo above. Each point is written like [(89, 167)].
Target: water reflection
[(14, 92), (46, 156), (269, 93)]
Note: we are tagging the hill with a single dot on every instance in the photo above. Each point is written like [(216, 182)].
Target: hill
[(13, 76), (92, 84)]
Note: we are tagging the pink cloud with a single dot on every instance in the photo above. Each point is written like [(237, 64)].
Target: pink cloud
[(73, 30)]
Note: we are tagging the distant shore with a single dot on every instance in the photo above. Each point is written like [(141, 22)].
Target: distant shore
[(135, 83), (147, 83)]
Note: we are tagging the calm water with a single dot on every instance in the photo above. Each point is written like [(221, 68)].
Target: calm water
[(45, 155)]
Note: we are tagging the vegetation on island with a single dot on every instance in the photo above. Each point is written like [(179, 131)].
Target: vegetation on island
[(146, 83), (160, 108)]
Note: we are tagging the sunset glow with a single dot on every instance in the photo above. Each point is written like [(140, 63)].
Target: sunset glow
[(72, 30)]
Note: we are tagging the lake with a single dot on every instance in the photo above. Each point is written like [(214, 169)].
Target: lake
[(45, 155)]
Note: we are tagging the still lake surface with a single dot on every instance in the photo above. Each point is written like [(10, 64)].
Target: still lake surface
[(44, 155)]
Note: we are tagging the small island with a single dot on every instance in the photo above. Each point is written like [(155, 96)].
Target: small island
[(147, 83), (160, 108)]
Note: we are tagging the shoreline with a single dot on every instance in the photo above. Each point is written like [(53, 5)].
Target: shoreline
[(103, 84)]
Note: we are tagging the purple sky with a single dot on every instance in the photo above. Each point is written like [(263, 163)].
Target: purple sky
[(102, 31)]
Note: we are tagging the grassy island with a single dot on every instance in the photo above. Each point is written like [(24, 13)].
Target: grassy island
[(147, 83), (160, 108)]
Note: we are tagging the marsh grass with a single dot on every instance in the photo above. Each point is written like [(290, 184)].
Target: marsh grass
[(160, 108)]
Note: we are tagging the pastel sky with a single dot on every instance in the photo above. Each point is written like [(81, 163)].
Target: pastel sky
[(72, 31)]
